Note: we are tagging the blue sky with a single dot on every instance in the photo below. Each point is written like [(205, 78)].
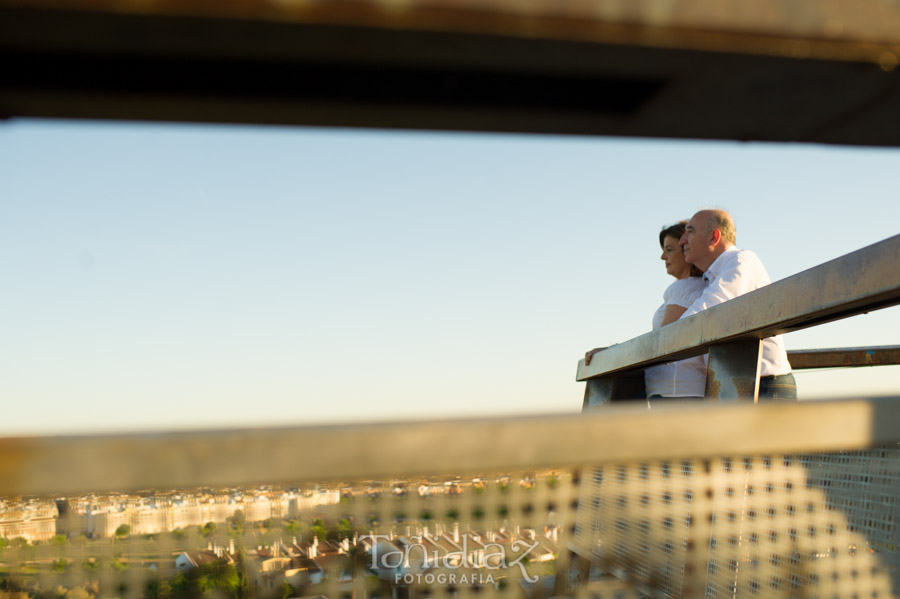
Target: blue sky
[(184, 276)]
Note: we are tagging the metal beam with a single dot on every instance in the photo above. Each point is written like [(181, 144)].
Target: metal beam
[(81, 464), (844, 357), (865, 280), (733, 370), (819, 71)]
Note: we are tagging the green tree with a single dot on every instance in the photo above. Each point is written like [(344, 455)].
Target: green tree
[(159, 588), (60, 565), (123, 531), (243, 590), (319, 529), (26, 552), (291, 527), (345, 528), (90, 564), (236, 522), (78, 593), (218, 576), (118, 564), (359, 564), (208, 529)]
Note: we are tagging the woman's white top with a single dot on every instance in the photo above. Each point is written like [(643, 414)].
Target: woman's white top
[(684, 378)]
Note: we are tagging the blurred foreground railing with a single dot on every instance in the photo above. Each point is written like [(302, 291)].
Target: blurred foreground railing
[(701, 500)]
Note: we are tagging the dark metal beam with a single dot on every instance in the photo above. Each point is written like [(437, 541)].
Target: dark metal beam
[(822, 74)]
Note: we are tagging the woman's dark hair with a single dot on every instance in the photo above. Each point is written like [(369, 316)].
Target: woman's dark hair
[(676, 231)]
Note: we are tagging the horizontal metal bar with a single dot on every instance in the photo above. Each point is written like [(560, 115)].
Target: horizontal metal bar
[(676, 24), (657, 69), (865, 280), (81, 464), (844, 357)]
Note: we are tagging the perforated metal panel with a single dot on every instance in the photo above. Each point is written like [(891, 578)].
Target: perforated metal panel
[(632, 520), (440, 536), (819, 525)]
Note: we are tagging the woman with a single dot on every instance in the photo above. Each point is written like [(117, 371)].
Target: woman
[(685, 378)]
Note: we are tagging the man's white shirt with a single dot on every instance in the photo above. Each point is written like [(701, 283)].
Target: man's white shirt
[(736, 272)]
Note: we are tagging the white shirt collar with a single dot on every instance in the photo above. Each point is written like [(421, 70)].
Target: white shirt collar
[(713, 271)]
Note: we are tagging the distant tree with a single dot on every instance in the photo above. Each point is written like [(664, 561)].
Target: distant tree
[(26, 552), (59, 541), (240, 517), (319, 530), (118, 564), (208, 529), (90, 564), (184, 585), (291, 527), (123, 531), (78, 593), (359, 565), (345, 528), (286, 590), (236, 522), (158, 588), (60, 565), (243, 590), (218, 576)]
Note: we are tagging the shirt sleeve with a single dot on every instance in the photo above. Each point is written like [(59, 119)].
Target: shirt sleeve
[(737, 278), (683, 292)]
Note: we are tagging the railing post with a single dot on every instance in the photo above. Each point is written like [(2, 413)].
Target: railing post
[(598, 392), (622, 386), (733, 370)]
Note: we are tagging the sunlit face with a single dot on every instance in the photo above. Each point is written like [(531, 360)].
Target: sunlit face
[(696, 250), (674, 258)]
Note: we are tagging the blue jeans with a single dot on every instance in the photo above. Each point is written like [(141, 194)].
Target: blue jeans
[(782, 387)]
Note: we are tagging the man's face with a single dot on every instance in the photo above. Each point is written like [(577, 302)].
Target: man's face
[(695, 242)]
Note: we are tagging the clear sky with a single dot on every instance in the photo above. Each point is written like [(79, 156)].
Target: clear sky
[(184, 276)]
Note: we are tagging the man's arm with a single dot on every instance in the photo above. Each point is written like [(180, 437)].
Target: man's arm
[(739, 276)]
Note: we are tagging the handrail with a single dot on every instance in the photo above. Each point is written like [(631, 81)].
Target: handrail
[(82, 464), (861, 281), (844, 357)]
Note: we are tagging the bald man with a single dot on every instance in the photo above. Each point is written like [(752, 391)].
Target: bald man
[(709, 244)]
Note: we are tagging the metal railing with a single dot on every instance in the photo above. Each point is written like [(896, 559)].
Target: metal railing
[(652, 500), (865, 280)]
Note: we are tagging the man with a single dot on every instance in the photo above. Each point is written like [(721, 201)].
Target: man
[(708, 244)]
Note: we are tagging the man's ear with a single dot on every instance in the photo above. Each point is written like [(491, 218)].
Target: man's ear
[(716, 236)]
